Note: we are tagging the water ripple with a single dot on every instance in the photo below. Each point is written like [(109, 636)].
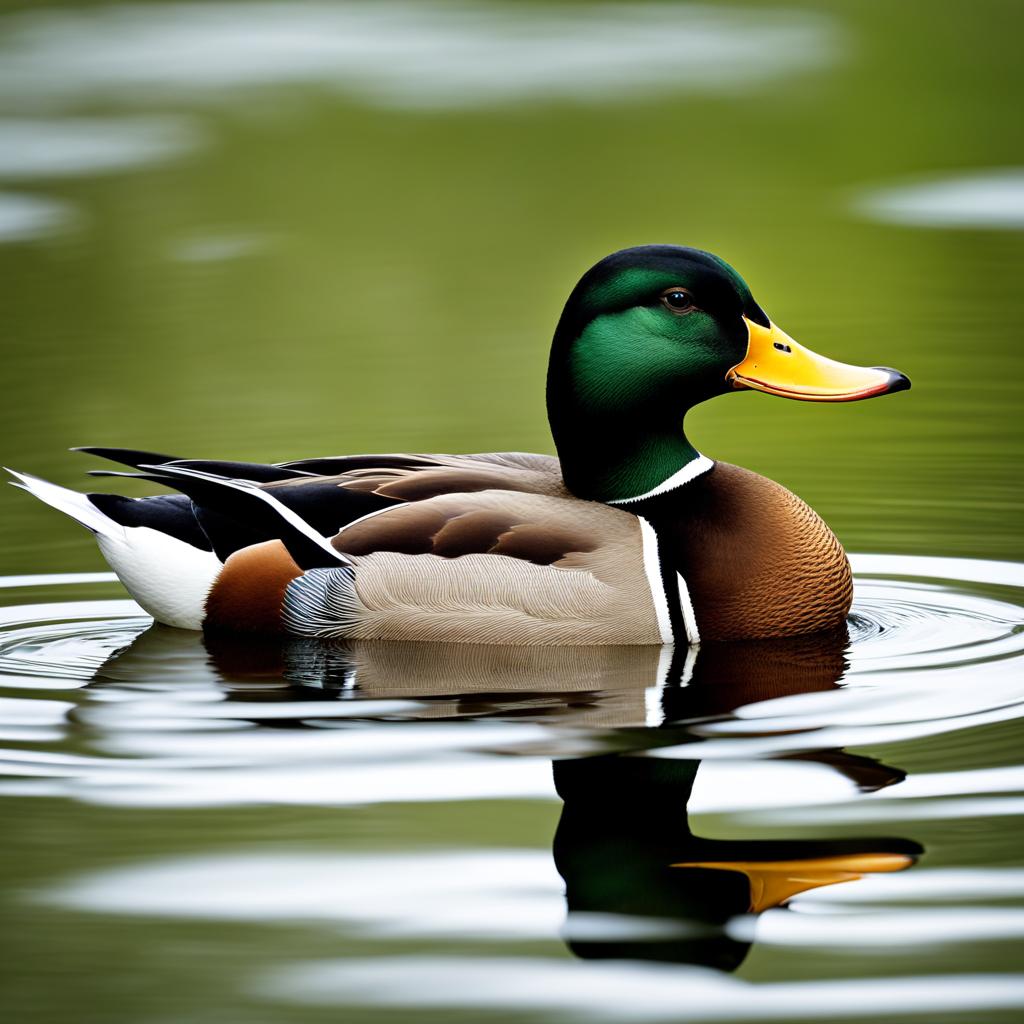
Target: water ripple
[(162, 718)]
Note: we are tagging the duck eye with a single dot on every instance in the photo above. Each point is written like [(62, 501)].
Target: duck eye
[(676, 300)]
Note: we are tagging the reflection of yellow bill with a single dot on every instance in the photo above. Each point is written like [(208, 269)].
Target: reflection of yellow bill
[(778, 365), (772, 882)]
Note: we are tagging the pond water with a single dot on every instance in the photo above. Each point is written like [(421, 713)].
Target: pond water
[(269, 230)]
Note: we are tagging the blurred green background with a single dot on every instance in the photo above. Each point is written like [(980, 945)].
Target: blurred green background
[(317, 265), (282, 229)]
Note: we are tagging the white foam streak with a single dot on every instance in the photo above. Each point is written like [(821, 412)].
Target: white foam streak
[(65, 611), (340, 785), (25, 218), (880, 931), (436, 55), (56, 579), (724, 786), (937, 885), (968, 570), (601, 990), (493, 894), (74, 147), (865, 811), (989, 199)]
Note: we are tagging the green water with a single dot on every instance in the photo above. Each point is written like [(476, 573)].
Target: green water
[(407, 270), (321, 270)]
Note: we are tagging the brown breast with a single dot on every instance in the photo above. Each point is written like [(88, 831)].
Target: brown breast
[(758, 561)]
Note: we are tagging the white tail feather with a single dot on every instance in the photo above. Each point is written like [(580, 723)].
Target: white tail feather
[(167, 576), (71, 503)]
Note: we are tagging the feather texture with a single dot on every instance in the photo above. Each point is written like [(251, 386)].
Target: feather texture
[(545, 570)]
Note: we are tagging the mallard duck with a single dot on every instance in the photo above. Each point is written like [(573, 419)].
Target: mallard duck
[(630, 536)]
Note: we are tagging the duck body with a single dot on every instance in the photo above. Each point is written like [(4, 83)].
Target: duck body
[(631, 537), (478, 549)]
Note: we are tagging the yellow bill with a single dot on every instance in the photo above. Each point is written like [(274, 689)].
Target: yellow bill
[(772, 883), (777, 365)]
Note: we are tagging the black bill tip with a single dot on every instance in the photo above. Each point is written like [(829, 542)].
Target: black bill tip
[(897, 381)]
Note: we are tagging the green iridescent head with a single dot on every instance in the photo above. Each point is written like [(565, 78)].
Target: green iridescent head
[(647, 334)]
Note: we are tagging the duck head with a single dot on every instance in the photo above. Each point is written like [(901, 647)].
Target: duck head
[(647, 334)]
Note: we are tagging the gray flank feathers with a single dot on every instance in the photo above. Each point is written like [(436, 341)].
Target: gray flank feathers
[(322, 602)]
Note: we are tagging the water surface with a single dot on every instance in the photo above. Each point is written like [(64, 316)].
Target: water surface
[(527, 830), (266, 230)]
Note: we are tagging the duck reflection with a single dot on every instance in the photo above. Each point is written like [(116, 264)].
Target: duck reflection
[(614, 687), (639, 883)]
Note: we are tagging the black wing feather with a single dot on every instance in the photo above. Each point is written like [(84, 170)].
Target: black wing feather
[(257, 471), (212, 514), (133, 457), (236, 514), (169, 513)]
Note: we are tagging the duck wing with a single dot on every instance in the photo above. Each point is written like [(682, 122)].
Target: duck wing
[(489, 566), (415, 477), (356, 487), (328, 494), (463, 549)]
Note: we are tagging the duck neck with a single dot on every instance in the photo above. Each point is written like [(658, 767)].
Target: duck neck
[(616, 404), (619, 462)]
